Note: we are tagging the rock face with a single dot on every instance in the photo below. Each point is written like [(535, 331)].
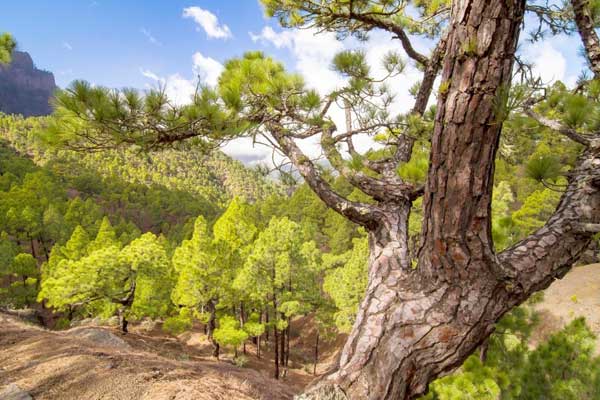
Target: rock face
[(13, 392), (24, 89)]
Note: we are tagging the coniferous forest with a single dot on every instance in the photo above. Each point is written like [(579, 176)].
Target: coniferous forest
[(414, 269)]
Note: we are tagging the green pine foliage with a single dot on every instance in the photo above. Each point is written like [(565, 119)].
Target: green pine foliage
[(229, 333), (7, 45), (346, 282), (565, 366)]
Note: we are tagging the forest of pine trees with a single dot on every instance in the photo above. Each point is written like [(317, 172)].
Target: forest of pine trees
[(144, 224), (71, 244)]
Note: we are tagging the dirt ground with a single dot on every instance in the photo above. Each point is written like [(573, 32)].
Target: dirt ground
[(89, 363), (576, 295), (99, 363)]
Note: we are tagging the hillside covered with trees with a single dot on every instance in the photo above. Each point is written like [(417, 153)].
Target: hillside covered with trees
[(411, 270)]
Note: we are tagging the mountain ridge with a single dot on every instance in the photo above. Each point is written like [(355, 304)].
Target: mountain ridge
[(25, 89)]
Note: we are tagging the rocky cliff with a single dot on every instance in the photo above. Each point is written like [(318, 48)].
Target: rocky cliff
[(24, 89)]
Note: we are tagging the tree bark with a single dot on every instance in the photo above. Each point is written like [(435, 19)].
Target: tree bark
[(585, 26), (415, 325), (287, 344), (211, 326), (316, 359), (276, 338)]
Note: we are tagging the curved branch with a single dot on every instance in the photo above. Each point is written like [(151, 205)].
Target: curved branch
[(369, 21), (392, 28), (558, 127), (386, 189), (431, 71), (549, 253), (360, 213)]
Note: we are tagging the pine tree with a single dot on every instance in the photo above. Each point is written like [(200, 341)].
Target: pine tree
[(23, 275), (275, 276), (346, 282), (199, 282), (229, 333), (7, 45)]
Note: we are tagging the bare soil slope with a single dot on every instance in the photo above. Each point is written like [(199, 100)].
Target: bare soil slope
[(98, 363), (576, 295)]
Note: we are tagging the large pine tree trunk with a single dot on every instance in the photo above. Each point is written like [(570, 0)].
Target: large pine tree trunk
[(417, 324)]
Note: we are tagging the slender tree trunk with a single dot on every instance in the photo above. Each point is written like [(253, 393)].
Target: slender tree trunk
[(32, 246), (282, 346), (211, 326), (316, 359), (276, 339), (267, 323), (287, 344)]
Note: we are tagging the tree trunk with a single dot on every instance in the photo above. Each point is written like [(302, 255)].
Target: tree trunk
[(415, 325), (316, 359), (32, 246), (267, 323), (211, 326), (276, 338), (282, 346), (287, 344), (586, 28)]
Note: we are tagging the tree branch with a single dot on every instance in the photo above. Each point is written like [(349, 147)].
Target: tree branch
[(360, 213), (558, 127), (549, 253), (585, 26)]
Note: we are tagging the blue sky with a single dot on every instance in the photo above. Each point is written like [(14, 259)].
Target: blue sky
[(108, 41), (141, 43), (103, 41)]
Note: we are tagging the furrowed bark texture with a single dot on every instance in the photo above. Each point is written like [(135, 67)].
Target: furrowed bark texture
[(417, 324), (585, 26)]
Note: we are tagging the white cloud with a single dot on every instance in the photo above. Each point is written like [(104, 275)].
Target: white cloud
[(181, 90), (207, 21), (151, 75), (178, 89), (548, 63), (312, 52), (208, 69), (249, 153), (150, 37), (268, 35), (67, 45)]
